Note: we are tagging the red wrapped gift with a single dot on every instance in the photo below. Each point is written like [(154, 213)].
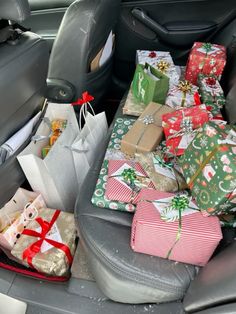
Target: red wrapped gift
[(170, 226), (205, 58), (125, 181)]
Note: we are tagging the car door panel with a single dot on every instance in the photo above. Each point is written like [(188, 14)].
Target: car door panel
[(167, 25)]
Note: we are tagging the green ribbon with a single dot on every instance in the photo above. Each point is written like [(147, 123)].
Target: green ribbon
[(162, 163), (179, 203), (207, 47)]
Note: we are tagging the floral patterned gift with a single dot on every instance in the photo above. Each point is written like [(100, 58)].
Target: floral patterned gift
[(209, 167), (205, 58)]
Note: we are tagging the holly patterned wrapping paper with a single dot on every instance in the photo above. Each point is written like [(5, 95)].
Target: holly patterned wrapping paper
[(211, 93), (209, 167), (125, 181), (183, 94), (99, 198), (170, 226), (149, 85), (164, 174), (181, 126), (161, 60), (205, 58)]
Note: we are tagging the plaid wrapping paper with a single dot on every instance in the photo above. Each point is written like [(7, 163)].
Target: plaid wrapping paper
[(152, 235), (205, 58), (209, 167), (120, 189), (161, 60)]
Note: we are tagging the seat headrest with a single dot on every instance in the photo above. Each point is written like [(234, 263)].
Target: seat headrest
[(15, 10)]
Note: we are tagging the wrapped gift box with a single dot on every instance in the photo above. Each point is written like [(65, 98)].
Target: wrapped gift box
[(228, 220), (164, 174), (209, 167), (205, 58), (161, 60), (48, 243), (212, 94), (183, 94), (99, 198), (125, 181), (10, 235), (121, 127), (146, 132), (157, 230), (149, 84), (132, 106)]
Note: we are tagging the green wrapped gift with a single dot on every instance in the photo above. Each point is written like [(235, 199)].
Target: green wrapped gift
[(99, 198), (211, 92), (121, 127), (149, 84), (209, 167)]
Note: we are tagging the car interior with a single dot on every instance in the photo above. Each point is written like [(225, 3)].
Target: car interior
[(49, 51)]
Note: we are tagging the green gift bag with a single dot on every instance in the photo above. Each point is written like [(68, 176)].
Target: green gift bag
[(149, 84)]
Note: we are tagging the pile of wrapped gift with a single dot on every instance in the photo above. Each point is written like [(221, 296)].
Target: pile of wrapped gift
[(37, 237), (171, 159)]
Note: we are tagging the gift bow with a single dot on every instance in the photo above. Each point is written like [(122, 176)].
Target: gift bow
[(152, 54), (185, 86), (86, 98), (163, 66), (158, 160), (207, 47), (35, 248), (211, 81), (129, 175)]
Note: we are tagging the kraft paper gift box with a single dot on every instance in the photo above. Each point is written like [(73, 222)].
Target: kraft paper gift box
[(149, 84), (165, 175), (205, 58), (211, 92), (125, 181), (161, 228), (146, 132), (48, 243), (183, 94), (30, 210), (180, 127), (160, 60), (99, 198), (209, 167)]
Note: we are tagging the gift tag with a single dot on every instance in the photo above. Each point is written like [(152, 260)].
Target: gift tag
[(186, 140), (167, 172), (54, 235)]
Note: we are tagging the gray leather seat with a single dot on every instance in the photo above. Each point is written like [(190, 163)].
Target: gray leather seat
[(23, 71), (82, 34)]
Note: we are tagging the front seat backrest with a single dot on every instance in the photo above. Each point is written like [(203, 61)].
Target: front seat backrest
[(23, 71), (82, 34)]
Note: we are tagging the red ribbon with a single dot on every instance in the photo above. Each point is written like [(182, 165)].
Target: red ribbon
[(197, 99), (85, 98), (35, 248), (152, 54)]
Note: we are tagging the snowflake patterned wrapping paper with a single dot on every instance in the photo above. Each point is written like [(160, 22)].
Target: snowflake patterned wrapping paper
[(164, 175), (205, 58), (149, 85), (183, 94), (180, 125), (209, 167), (125, 181), (156, 232), (211, 92), (99, 198), (48, 243), (146, 133), (161, 60)]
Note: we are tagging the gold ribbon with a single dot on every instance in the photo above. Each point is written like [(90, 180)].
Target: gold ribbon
[(185, 87), (163, 66)]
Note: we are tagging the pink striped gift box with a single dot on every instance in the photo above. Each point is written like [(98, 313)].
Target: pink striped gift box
[(117, 189), (199, 235)]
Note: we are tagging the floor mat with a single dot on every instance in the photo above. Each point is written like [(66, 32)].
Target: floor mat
[(80, 268), (11, 265)]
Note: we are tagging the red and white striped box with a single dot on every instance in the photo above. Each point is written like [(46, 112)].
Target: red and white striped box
[(199, 235), (117, 189)]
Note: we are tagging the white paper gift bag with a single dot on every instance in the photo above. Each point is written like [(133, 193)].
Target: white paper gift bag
[(54, 176), (89, 140)]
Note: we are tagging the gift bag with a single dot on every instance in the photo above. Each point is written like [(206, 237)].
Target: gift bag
[(86, 145), (149, 84), (54, 176)]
